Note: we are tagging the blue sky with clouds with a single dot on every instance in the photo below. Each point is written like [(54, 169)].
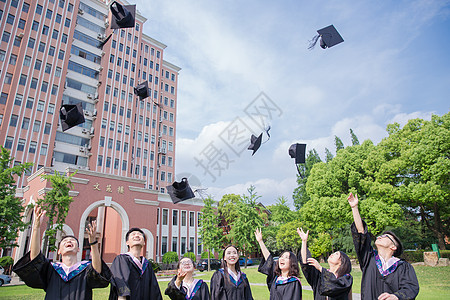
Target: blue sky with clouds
[(393, 66)]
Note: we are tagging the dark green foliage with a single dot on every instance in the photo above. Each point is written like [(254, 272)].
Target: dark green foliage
[(190, 255), (338, 143), (170, 257), (300, 195), (155, 266), (56, 203), (355, 140), (11, 208)]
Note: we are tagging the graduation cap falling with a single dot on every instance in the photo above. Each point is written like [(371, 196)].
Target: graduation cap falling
[(298, 151), (142, 90), (329, 37), (255, 142), (122, 16), (180, 191), (71, 115)]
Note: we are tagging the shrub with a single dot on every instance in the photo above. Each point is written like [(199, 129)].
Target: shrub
[(155, 266), (170, 257), (190, 255), (6, 261), (204, 255)]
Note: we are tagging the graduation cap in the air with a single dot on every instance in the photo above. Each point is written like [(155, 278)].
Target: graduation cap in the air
[(298, 151), (123, 16), (329, 37), (142, 90), (71, 115), (180, 191), (255, 143)]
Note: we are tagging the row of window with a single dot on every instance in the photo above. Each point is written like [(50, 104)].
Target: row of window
[(183, 248), (165, 217), (21, 145)]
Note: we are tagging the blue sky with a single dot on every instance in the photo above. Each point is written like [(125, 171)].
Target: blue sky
[(393, 66)]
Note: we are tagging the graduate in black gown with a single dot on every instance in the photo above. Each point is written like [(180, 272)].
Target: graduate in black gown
[(68, 279), (333, 284), (384, 275), (282, 275), (184, 286), (229, 283), (133, 276)]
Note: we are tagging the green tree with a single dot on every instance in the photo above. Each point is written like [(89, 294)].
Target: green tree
[(355, 140), (328, 155), (11, 208), (228, 210), (417, 171), (248, 219), (300, 195), (338, 143), (287, 237), (320, 245), (56, 202), (210, 232), (280, 212)]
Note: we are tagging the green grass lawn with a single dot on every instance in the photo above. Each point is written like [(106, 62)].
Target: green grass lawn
[(434, 284)]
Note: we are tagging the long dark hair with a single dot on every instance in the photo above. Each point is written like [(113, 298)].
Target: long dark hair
[(293, 265), (346, 265), (224, 263)]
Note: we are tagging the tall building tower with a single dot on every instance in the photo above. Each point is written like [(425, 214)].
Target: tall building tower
[(50, 56), (124, 152)]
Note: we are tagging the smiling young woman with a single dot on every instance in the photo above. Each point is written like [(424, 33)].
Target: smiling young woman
[(282, 276), (229, 282)]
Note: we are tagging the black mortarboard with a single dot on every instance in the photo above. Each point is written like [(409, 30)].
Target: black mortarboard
[(123, 16), (180, 191), (142, 90), (329, 37), (255, 143), (71, 115), (297, 151)]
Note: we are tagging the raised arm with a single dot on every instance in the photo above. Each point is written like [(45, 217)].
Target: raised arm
[(95, 253), (353, 201), (35, 243), (304, 237), (264, 250)]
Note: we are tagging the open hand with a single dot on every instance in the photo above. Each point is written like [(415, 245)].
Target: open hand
[(353, 200), (258, 235), (302, 234), (313, 262), (92, 231), (38, 215)]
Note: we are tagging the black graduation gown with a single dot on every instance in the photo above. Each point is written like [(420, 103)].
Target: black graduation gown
[(127, 280), (402, 280), (325, 284), (224, 289), (174, 293), (290, 289), (41, 274)]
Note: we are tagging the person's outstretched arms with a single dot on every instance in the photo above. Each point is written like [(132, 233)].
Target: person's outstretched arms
[(35, 243), (353, 201), (304, 237), (259, 239)]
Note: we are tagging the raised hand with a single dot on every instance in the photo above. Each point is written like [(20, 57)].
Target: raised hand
[(313, 262), (258, 235), (92, 231), (302, 234), (353, 200), (38, 215)]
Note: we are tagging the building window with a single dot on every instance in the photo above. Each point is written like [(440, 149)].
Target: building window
[(191, 219), (9, 141), (175, 217), (174, 244), (33, 146), (183, 218), (44, 148), (5, 36), (124, 165), (40, 106), (47, 128), (13, 59), (191, 244), (13, 121), (108, 162), (183, 245), (21, 145), (51, 108), (163, 245), (100, 160), (8, 78), (25, 123), (165, 213), (18, 100), (36, 126)]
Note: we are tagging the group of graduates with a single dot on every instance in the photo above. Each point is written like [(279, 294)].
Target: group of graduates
[(384, 275)]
